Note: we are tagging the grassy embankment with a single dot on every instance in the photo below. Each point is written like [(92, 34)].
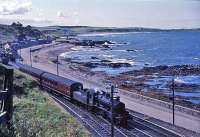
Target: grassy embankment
[(36, 115)]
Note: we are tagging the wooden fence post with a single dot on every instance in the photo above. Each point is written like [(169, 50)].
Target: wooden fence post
[(8, 85)]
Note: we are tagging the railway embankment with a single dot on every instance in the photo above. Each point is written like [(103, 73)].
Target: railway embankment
[(36, 114)]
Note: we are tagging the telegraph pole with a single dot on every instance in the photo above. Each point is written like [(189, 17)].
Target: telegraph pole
[(20, 51), (57, 66), (112, 110), (30, 58), (173, 107)]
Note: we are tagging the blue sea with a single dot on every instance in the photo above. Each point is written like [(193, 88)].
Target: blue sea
[(145, 49), (191, 95)]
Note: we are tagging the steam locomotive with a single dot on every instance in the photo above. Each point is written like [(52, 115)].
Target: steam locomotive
[(97, 101)]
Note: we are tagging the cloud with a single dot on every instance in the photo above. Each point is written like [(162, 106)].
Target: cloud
[(13, 7), (67, 14), (61, 14)]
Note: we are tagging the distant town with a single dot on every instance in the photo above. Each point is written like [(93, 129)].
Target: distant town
[(20, 37)]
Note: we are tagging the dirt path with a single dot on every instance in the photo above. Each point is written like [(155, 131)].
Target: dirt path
[(41, 59)]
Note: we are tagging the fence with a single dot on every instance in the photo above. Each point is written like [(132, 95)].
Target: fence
[(6, 95)]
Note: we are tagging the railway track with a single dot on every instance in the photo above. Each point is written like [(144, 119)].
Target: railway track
[(95, 124), (151, 129), (130, 132), (100, 127)]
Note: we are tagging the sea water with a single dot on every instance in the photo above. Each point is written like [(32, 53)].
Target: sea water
[(146, 49)]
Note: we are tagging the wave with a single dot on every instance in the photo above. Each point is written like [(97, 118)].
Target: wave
[(108, 33)]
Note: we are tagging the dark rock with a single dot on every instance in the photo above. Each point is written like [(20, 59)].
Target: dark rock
[(131, 50), (106, 46), (68, 59), (103, 42), (91, 65), (108, 61), (86, 43), (162, 67), (179, 70), (155, 69), (118, 65), (94, 58)]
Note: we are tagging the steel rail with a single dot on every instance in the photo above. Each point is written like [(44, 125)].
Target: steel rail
[(84, 117), (155, 127)]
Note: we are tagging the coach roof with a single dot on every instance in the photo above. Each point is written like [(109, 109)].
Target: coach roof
[(59, 79), (30, 69)]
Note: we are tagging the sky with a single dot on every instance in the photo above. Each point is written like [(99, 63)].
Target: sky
[(105, 13)]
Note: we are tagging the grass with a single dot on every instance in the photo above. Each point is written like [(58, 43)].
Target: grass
[(36, 115)]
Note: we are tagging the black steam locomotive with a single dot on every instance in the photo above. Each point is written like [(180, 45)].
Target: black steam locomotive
[(97, 101)]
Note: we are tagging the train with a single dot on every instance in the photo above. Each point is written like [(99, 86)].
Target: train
[(98, 102)]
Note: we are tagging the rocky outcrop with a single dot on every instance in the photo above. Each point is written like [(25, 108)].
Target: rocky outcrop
[(106, 63), (119, 65), (168, 70), (91, 65), (103, 42)]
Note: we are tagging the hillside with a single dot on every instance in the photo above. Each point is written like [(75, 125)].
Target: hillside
[(16, 31), (76, 30)]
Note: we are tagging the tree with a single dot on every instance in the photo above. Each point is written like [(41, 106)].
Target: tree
[(14, 24), (28, 28)]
